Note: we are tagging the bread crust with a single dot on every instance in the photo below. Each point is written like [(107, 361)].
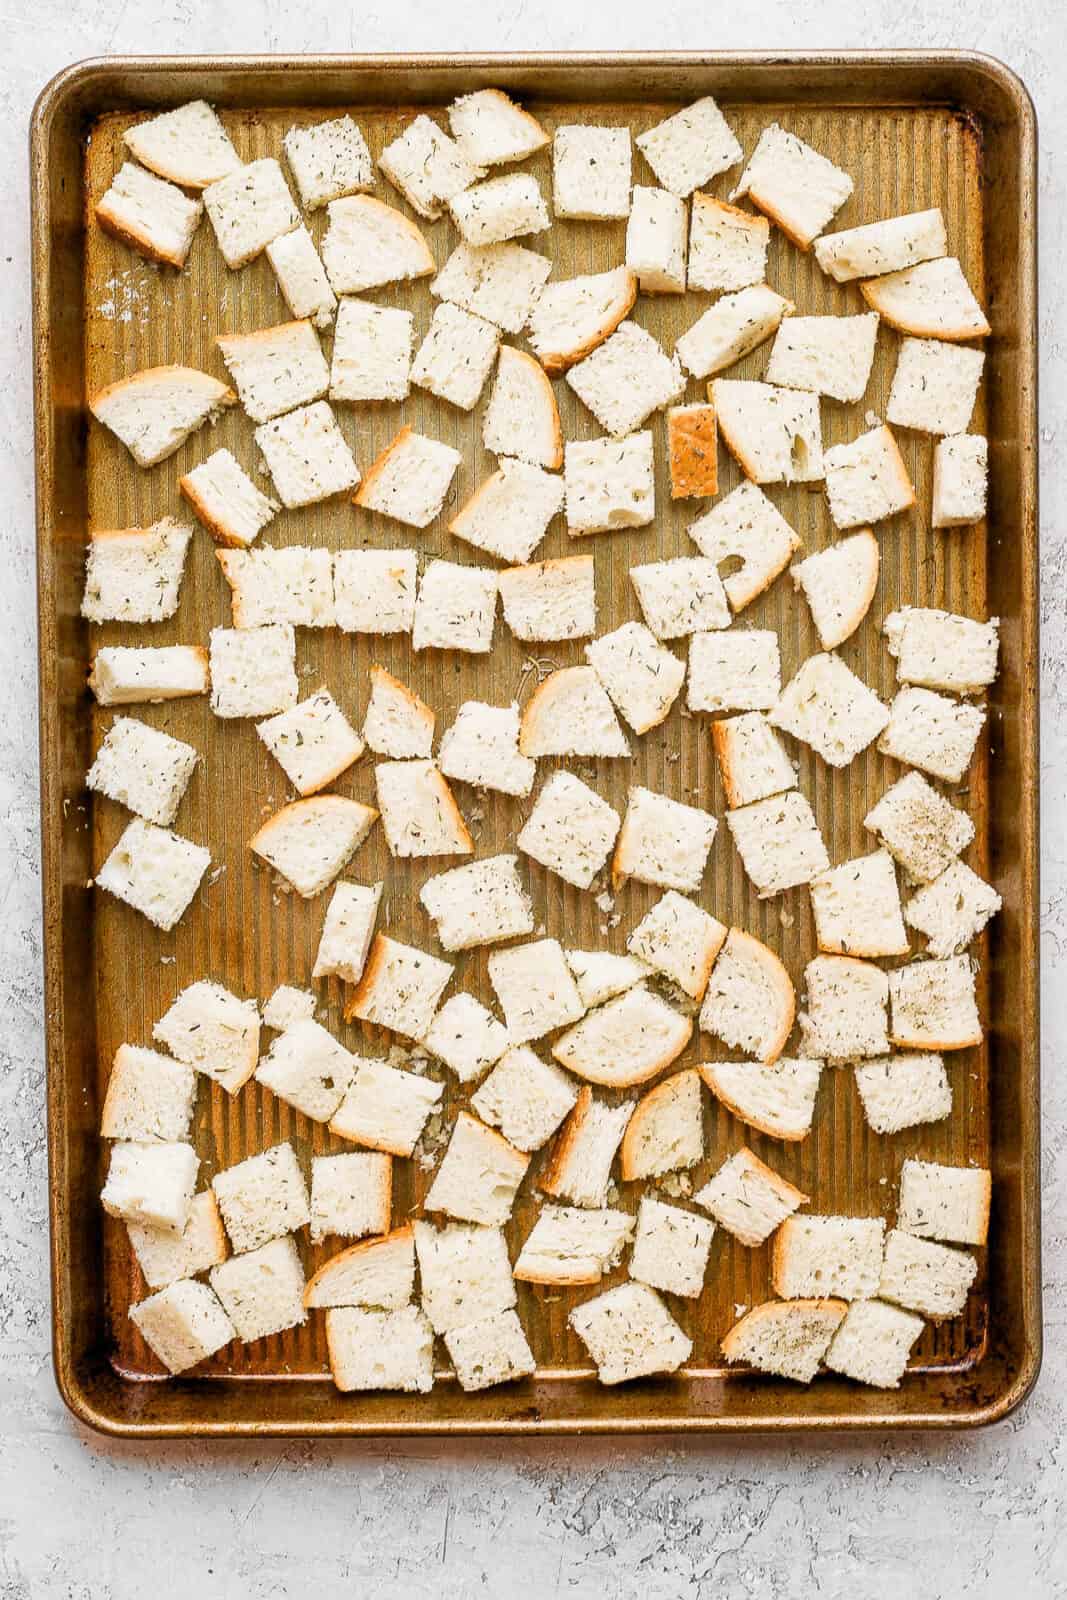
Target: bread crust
[(722, 737), (763, 956), (779, 1311), (555, 1170), (904, 1041), (546, 397), (560, 1279), (379, 464), (646, 1108), (221, 394), (556, 362), (707, 1071), (137, 238), (692, 437), (650, 1069), (873, 291)]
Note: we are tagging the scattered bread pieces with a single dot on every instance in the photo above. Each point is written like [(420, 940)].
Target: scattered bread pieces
[(579, 1166), (484, 903), (750, 1003), (410, 479), (427, 167), (570, 830), (143, 769), (666, 1131), (550, 600), (491, 129), (919, 827), (573, 316), (827, 707), (656, 240), (953, 910), (525, 1097), (419, 811), (214, 1031), (857, 910), (368, 244), (165, 1258), (866, 480), (374, 591), (466, 1037), (149, 1098), (600, 975), (535, 989), (482, 748), (932, 732), (779, 842), (276, 369), (263, 1290), (925, 1277), (522, 418), (490, 1352), (903, 1091), (344, 943), (570, 714), (479, 1175), (734, 671), (328, 160), (135, 574), (188, 145), (351, 1195), (155, 410), (313, 742), (815, 1255), (152, 216), (375, 1272), (932, 300), (746, 528), (293, 584), (155, 871), (500, 282), (509, 514), (288, 1005), (774, 434), (753, 763), (311, 841), (663, 842), (788, 1338), (384, 1107), (777, 1099), (610, 484), (302, 277), (371, 352), (946, 1203), (839, 584), (591, 173), (880, 247), (455, 608), (641, 675), (369, 1349), (625, 380), (680, 940), (692, 436), (934, 386), (151, 1184), (731, 329), (793, 184), (631, 1039), (961, 477), (262, 1198), (233, 510), (873, 1343), (827, 355), (570, 1246), (846, 1016), (183, 1324), (934, 1006), (671, 1248), (248, 208), (727, 246), (939, 650), (508, 207), (691, 147), (748, 1198), (307, 456), (629, 1333), (456, 356)]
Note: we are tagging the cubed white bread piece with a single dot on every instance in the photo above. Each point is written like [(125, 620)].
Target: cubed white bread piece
[(787, 1338), (946, 1203), (748, 1198), (183, 1324), (368, 244), (491, 129), (400, 988), (166, 1257), (550, 600), (308, 1068), (347, 931), (293, 584), (600, 975), (484, 903), (873, 1343), (419, 811), (525, 1097), (934, 1005), (233, 510), (692, 439), (680, 940), (328, 160), (839, 583), (397, 723), (793, 184), (213, 1031), (153, 412), (816, 1255), (961, 476), (509, 513), (351, 1195), (374, 591), (536, 991), (610, 484), (276, 369), (828, 355), (143, 769), (681, 596), (727, 246), (522, 417), (371, 352), (630, 1040), (385, 1108), (641, 675), (482, 748), (953, 910), (569, 1245), (248, 208), (730, 329), (931, 731), (625, 380), (375, 1272), (152, 216), (935, 386), (925, 1277), (879, 247), (750, 1003), (942, 651), (465, 1274), (310, 841), (479, 1175), (380, 1350), (135, 574), (903, 1091), (427, 167), (866, 480), (671, 1248), (579, 1166), (262, 1291), (302, 277), (456, 356), (573, 316), (919, 827), (307, 456), (591, 173), (691, 147), (746, 528), (827, 707), (656, 241), (629, 1333), (753, 763), (509, 207), (570, 714), (856, 907), (775, 435), (666, 1131), (288, 1005), (846, 1018), (663, 842), (410, 479), (188, 145), (500, 282), (262, 1198), (779, 842), (735, 671), (778, 1100), (149, 1097), (155, 871), (490, 1352), (151, 1183), (932, 300), (466, 1037), (313, 743)]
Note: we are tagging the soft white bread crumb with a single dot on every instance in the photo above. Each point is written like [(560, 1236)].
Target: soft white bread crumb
[(748, 1198), (946, 1203), (629, 1333), (932, 300), (307, 456), (793, 184), (734, 671), (569, 1245), (143, 769), (788, 1338), (666, 1131), (183, 1324), (952, 910), (351, 1195), (778, 1100), (610, 483), (631, 1039), (374, 590), (749, 1003), (550, 600), (276, 369), (155, 871), (727, 246), (151, 1184), (248, 208), (827, 707), (188, 145), (386, 1108), (427, 167), (752, 760), (779, 842), (692, 441), (288, 1005), (680, 940), (368, 244), (371, 1350), (525, 1097), (879, 247), (491, 129), (600, 975), (262, 1198), (509, 207), (310, 841), (226, 501), (375, 1272), (942, 651), (166, 1257), (746, 528), (397, 723), (522, 417), (846, 1016), (866, 480), (535, 989), (925, 1277), (663, 842), (934, 1005), (691, 147), (641, 675), (626, 379), (774, 434), (671, 1248), (856, 907), (483, 903), (302, 277), (262, 1291), (903, 1091), (730, 329), (573, 316), (509, 513), (482, 748), (570, 714), (934, 386), (490, 1352), (419, 812), (656, 240), (313, 743), (328, 160), (213, 1031), (135, 574), (919, 827), (466, 1037), (479, 1175), (681, 596), (152, 216), (371, 352), (410, 479), (815, 1255), (579, 1166), (591, 173), (149, 1097), (400, 987), (252, 670), (500, 282), (828, 355), (293, 584), (465, 1273), (456, 356), (961, 475), (155, 410), (839, 584), (873, 1343), (931, 731), (307, 1068)]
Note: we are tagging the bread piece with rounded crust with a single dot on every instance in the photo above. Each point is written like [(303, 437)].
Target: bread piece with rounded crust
[(397, 723), (575, 315), (775, 435), (231, 507), (932, 300), (748, 1198), (579, 1164), (752, 760), (750, 1002), (839, 583), (150, 215), (368, 244), (310, 841), (777, 1099), (491, 129), (419, 811), (666, 1131), (793, 184), (746, 527), (188, 145), (631, 1039), (570, 714), (374, 1272), (788, 1338), (679, 939), (934, 1006), (522, 417), (153, 412), (570, 1245)]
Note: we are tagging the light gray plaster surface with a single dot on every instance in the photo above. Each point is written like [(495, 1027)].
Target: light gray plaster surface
[(886, 1519)]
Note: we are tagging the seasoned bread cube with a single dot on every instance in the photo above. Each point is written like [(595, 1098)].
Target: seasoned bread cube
[(466, 1037), (371, 352), (941, 651), (410, 479), (629, 1040), (351, 1195), (579, 1167), (465, 1273), (866, 479), (952, 910), (591, 173), (932, 300), (252, 670), (419, 812), (778, 1100), (779, 842), (307, 456), (679, 939), (839, 584), (600, 975), (550, 600), (479, 1175), (380, 1350), (490, 1352), (525, 1097), (151, 1183), (610, 483), (655, 241), (213, 1031), (788, 1338), (926, 1277), (311, 841), (397, 723), (730, 329), (293, 584), (149, 1098), (671, 1248), (328, 160), (903, 1091), (934, 1006), (919, 827), (508, 207), (749, 1003), (827, 707), (135, 574), (727, 246), (571, 1246), (625, 380), (374, 592), (276, 369), (746, 528), (456, 356), (313, 743), (188, 145), (535, 989), (400, 988), (233, 510), (641, 675), (369, 244), (166, 1257), (143, 769), (930, 731), (385, 1108), (691, 147), (570, 714), (946, 1203), (500, 282), (752, 760), (155, 871), (522, 418), (846, 1015), (775, 435), (663, 842), (262, 1291), (248, 208), (748, 1199), (482, 748), (575, 315), (961, 474), (307, 1068), (736, 671), (302, 277), (828, 355), (873, 1343), (681, 596), (152, 216), (692, 436), (828, 1255), (666, 1131), (934, 386), (879, 247), (375, 1272), (262, 1198), (509, 513), (288, 1005), (484, 903), (793, 184), (629, 1333), (491, 129), (427, 167), (154, 411), (856, 907), (183, 1324)]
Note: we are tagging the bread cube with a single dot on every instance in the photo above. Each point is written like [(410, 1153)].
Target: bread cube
[(692, 437), (817, 1255), (500, 282), (752, 761), (292, 585), (880, 247), (307, 456), (873, 1343), (748, 1198), (351, 1195), (310, 841), (727, 246), (213, 1031), (313, 742), (641, 675), (953, 910), (866, 480), (509, 514), (385, 1108), (155, 871), (262, 1291), (550, 600), (400, 988), (535, 989), (671, 1248), (961, 474), (482, 748), (827, 707), (288, 1005), (490, 1352), (935, 386), (736, 671), (347, 931), (456, 356), (679, 939), (571, 1246), (252, 670), (691, 147), (502, 208), (826, 355), (248, 208), (135, 575), (939, 650), (525, 1097), (466, 1037), (143, 769), (455, 609), (629, 1333), (165, 1257), (930, 731), (151, 1183), (919, 827), (149, 1098), (579, 1166), (484, 903), (934, 1005), (233, 510), (747, 529), (681, 596), (183, 1324), (729, 330), (846, 1016), (308, 1068), (479, 1175), (610, 483), (371, 1350), (656, 240), (328, 159), (374, 591), (492, 130), (125, 675), (276, 369), (591, 173), (427, 167), (779, 842), (857, 908), (663, 842), (262, 1197), (302, 278), (600, 975), (465, 1274), (626, 379), (903, 1091), (793, 184), (371, 352), (925, 1277), (946, 1203)]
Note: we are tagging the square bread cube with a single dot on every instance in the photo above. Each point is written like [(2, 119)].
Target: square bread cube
[(779, 842), (952, 910), (293, 585), (946, 1203), (509, 513), (380, 1350), (490, 1352), (656, 239), (233, 510), (397, 722), (491, 129), (747, 530), (857, 908), (149, 1097), (961, 476), (371, 352), (183, 1324), (419, 812), (680, 940), (351, 1195), (500, 282), (213, 1031), (793, 184), (456, 356), (427, 167), (625, 379), (579, 1166), (903, 1091), (939, 650), (629, 1333), (302, 278), (750, 1004), (846, 1016), (736, 671), (155, 871), (691, 147), (378, 1272), (873, 1343), (748, 1198), (166, 1257), (663, 842), (308, 1068), (263, 1291), (313, 742), (410, 479), (591, 173), (288, 1005), (466, 1037), (692, 440), (926, 1277), (570, 1246), (827, 355), (328, 159), (482, 748), (310, 841), (934, 1005), (262, 1197), (610, 483), (465, 1274), (400, 988), (479, 1175), (369, 244), (525, 1097), (248, 208), (822, 1255), (681, 596), (536, 991), (135, 575), (866, 480), (671, 1248), (641, 675), (347, 932), (276, 369), (483, 903), (509, 207), (570, 830), (775, 435), (374, 590), (919, 827), (880, 247), (550, 600), (385, 1108), (753, 763), (142, 769), (727, 246), (935, 386), (931, 731), (188, 145), (307, 456), (827, 707), (731, 329), (152, 1184), (455, 609)]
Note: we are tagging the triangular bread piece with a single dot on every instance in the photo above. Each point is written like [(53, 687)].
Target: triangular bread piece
[(933, 300)]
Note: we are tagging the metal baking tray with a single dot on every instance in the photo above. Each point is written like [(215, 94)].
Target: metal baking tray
[(914, 129)]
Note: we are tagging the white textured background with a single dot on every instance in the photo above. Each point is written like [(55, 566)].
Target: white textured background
[(885, 1519)]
